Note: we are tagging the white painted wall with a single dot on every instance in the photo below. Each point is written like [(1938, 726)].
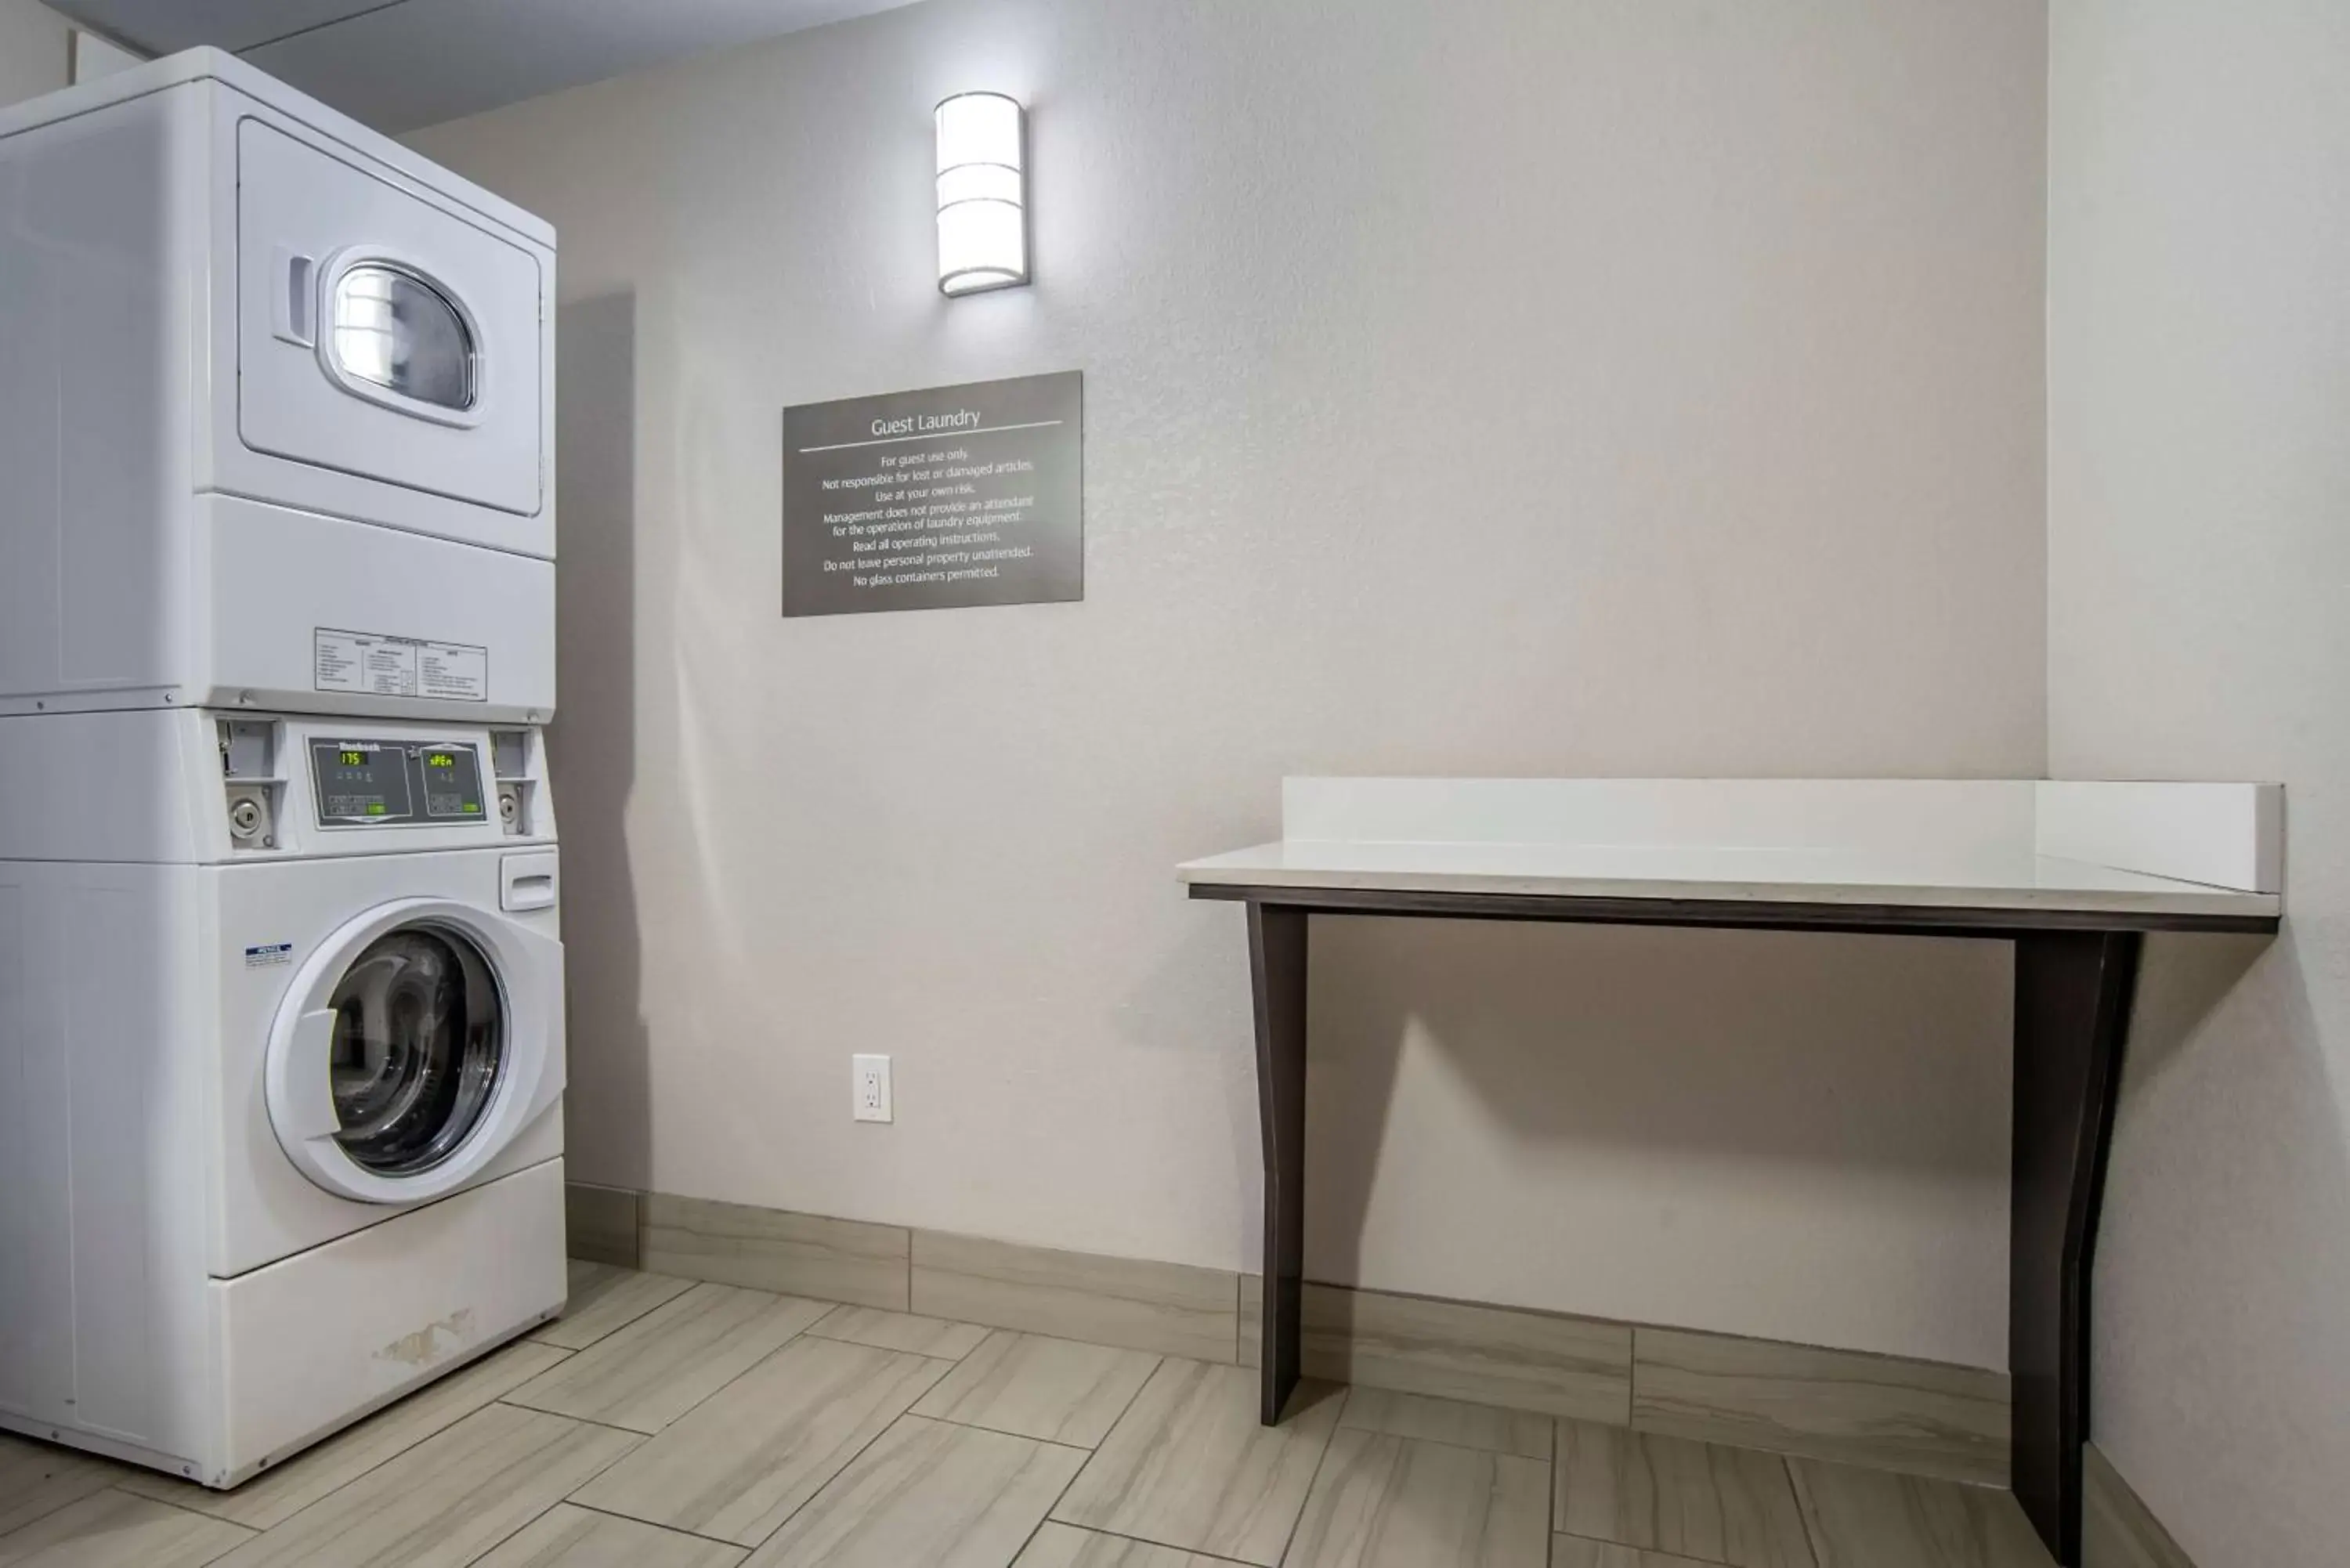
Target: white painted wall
[(1633, 387), (33, 50), (2199, 615)]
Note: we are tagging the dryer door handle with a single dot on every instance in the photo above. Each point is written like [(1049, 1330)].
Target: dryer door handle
[(295, 308)]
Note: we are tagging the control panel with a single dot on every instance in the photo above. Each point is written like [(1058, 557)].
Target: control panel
[(297, 786), (393, 783)]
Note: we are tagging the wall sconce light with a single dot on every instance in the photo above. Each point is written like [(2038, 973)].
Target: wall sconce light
[(983, 194)]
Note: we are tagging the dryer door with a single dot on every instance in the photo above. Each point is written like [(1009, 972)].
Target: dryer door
[(413, 1047), (381, 336)]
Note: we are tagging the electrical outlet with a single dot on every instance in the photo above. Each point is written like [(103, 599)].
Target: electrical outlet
[(869, 1080)]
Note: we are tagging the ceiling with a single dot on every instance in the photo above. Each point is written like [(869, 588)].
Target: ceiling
[(400, 63)]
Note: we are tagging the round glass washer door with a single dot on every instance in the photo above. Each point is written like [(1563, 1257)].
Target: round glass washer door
[(416, 1050), (412, 1047)]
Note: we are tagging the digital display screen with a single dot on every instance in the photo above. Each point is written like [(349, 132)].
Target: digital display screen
[(363, 781), (451, 776), (380, 784)]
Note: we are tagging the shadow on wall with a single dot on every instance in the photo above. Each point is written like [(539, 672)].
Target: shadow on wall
[(2221, 1302), (1710, 1044), (591, 744), (2182, 982)]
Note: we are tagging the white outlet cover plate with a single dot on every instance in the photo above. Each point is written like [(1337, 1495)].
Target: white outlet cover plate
[(870, 1088)]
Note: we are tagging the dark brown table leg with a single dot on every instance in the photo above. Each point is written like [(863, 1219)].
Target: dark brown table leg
[(1277, 968), (2072, 992)]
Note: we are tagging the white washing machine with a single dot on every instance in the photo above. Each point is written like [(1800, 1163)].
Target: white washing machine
[(276, 411), (281, 1073)]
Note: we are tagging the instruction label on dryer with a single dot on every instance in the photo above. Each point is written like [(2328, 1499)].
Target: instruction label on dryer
[(379, 666)]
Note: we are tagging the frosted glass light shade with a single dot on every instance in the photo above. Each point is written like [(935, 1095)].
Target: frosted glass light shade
[(983, 194)]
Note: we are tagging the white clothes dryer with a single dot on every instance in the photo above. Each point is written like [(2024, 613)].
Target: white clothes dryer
[(277, 410), (285, 1000)]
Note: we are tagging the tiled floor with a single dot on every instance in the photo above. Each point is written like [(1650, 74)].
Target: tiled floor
[(664, 1424)]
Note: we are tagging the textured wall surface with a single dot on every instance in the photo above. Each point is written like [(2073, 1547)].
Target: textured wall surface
[(1629, 387), (2200, 616), (34, 44)]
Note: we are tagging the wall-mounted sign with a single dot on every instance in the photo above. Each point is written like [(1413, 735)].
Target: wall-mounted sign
[(933, 500)]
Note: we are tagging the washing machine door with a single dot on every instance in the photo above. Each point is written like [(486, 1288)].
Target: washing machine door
[(413, 1047)]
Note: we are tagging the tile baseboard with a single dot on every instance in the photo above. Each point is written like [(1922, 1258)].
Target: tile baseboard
[(1882, 1412), (1886, 1412), (775, 1249), (1175, 1309), (1556, 1364), (2117, 1529), (601, 1223)]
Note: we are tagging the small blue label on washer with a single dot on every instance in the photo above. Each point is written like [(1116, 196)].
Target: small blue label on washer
[(263, 957)]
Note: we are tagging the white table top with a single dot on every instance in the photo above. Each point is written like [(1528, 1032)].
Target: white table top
[(2152, 851), (2014, 881)]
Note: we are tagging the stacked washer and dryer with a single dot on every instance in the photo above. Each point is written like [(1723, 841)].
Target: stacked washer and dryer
[(281, 991)]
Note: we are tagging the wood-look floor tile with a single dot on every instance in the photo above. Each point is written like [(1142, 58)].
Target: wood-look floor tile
[(1174, 1309), (1843, 1405), (446, 1501), (1574, 1552), (1495, 1430), (744, 1459), (1876, 1518), (1063, 1546), (927, 1493), (901, 1331), (1719, 1504), (774, 1250), (41, 1477), (604, 1300), (1384, 1502), (276, 1495), (118, 1530), (1577, 1368), (1055, 1390), (1188, 1465), (672, 1359), (568, 1537)]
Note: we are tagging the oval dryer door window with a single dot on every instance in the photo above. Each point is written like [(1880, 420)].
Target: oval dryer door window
[(396, 330)]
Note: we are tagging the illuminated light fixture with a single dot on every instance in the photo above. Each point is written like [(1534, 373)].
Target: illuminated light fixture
[(983, 191)]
